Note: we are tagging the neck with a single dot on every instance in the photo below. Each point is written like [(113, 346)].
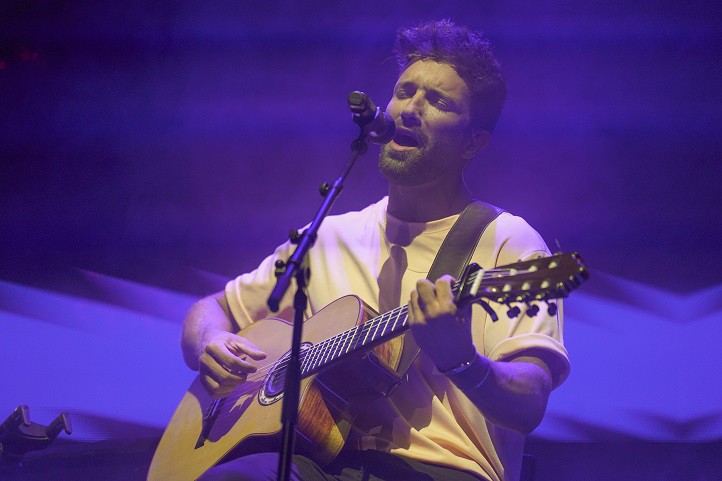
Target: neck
[(427, 202)]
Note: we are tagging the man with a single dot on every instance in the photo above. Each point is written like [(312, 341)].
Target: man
[(478, 386)]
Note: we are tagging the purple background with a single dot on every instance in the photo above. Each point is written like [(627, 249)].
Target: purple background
[(148, 153)]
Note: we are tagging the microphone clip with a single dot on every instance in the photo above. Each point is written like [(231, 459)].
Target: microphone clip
[(374, 122)]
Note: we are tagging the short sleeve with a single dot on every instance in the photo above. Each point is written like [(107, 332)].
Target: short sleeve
[(509, 336), (248, 293)]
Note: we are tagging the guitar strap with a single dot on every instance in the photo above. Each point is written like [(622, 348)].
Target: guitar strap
[(453, 256)]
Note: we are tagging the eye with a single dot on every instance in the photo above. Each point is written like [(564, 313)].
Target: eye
[(404, 92), (439, 101), (441, 104)]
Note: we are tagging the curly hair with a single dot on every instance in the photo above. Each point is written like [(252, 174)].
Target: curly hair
[(469, 53)]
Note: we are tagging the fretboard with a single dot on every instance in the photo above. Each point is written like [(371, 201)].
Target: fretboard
[(360, 338)]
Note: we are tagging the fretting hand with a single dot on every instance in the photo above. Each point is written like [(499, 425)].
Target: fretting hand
[(440, 328)]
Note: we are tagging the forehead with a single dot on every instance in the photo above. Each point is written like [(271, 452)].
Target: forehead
[(431, 74)]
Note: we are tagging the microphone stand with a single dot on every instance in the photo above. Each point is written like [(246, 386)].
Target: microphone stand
[(297, 267)]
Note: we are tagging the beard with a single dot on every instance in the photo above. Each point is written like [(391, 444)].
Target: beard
[(403, 168), (418, 166)]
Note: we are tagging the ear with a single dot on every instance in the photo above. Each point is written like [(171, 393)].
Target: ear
[(478, 139)]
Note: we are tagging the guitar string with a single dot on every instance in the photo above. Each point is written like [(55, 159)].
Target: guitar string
[(339, 339)]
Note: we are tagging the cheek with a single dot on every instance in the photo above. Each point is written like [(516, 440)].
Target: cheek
[(450, 130)]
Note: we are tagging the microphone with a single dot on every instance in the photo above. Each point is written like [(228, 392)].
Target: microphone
[(374, 122)]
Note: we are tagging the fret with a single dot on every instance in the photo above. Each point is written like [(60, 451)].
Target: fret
[(334, 343), (321, 352), (317, 350), (380, 323), (338, 351), (399, 312), (325, 351), (366, 327), (356, 338), (370, 332), (346, 344), (332, 346), (318, 356), (313, 358), (386, 318), (304, 354), (330, 349), (351, 334), (373, 336), (308, 359)]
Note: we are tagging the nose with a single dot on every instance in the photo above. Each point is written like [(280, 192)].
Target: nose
[(412, 111)]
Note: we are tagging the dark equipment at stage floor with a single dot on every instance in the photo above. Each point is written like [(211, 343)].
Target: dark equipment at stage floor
[(18, 435)]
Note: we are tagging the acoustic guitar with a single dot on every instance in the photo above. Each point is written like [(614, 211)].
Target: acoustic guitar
[(340, 369)]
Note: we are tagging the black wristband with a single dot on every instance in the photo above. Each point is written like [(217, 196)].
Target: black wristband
[(471, 375)]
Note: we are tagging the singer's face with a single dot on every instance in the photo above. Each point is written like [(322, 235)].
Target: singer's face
[(431, 108)]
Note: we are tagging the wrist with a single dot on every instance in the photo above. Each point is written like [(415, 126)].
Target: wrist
[(470, 375), (459, 367)]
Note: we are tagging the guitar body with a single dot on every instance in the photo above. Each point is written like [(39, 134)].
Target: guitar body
[(329, 401)]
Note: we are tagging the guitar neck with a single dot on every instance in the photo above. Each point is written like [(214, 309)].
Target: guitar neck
[(360, 338), (539, 279)]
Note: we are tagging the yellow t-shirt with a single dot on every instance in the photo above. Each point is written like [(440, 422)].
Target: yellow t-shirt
[(380, 258)]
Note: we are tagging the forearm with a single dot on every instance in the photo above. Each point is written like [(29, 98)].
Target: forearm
[(207, 316), (510, 394)]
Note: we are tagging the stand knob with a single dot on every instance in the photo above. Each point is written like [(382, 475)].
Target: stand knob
[(280, 268), (294, 236)]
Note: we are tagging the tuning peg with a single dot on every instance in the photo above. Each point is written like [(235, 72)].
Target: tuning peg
[(513, 312), (532, 311), (552, 309)]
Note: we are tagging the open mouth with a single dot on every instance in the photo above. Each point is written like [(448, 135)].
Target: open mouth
[(405, 138)]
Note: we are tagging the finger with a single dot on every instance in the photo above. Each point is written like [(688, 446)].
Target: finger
[(223, 375), (209, 384), (443, 289), (229, 360), (416, 315), (214, 389), (243, 346), (444, 296), (427, 294), (435, 304)]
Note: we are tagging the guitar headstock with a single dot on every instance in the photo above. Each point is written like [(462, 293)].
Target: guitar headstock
[(540, 279)]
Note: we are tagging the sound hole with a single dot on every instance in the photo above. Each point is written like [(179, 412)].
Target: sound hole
[(276, 380)]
